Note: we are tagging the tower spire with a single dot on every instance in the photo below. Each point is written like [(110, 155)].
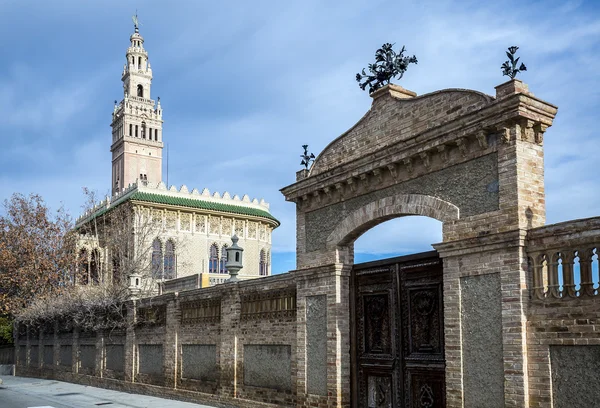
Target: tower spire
[(136, 122), (135, 22)]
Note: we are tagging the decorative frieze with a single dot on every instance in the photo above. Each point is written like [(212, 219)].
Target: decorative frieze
[(275, 304), (151, 315), (201, 311)]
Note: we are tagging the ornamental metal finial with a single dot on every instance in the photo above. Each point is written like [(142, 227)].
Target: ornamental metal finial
[(306, 158), (136, 22), (388, 64), (509, 68)]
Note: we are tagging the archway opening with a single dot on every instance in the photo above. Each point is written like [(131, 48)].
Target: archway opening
[(396, 309), (397, 237)]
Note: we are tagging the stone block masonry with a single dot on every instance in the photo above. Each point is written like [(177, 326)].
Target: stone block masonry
[(239, 344)]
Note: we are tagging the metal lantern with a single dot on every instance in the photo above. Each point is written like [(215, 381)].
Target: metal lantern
[(234, 259), (135, 285)]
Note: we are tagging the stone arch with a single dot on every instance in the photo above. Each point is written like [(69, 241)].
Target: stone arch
[(378, 211)]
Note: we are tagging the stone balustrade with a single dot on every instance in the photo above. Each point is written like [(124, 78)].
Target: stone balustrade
[(563, 260)]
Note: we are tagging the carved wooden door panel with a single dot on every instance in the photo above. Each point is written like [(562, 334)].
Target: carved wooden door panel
[(397, 333)]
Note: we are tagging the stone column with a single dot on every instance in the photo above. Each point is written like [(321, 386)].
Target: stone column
[(171, 345), (230, 320), (323, 336), (75, 351), (130, 355), (100, 354)]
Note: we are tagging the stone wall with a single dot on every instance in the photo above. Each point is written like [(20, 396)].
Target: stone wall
[(563, 331), (241, 344)]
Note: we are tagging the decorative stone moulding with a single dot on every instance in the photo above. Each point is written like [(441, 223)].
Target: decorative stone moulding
[(173, 191), (417, 164), (471, 124)]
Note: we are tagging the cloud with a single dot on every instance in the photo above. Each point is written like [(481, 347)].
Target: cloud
[(244, 85)]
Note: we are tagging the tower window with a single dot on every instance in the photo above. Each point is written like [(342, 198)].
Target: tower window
[(262, 264), (140, 91), (140, 61), (143, 130), (223, 260), (157, 260), (130, 129), (170, 261), (213, 260), (136, 130)]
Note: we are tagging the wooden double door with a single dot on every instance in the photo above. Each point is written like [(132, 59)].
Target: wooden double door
[(397, 330)]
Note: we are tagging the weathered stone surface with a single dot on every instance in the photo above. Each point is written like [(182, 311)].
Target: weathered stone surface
[(199, 362), (115, 357), (481, 304), (34, 356), (66, 355), (151, 359), (48, 356), (392, 120), (22, 358), (470, 186), (316, 344), (268, 366), (575, 379), (87, 356)]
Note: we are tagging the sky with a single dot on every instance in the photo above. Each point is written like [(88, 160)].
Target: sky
[(244, 85)]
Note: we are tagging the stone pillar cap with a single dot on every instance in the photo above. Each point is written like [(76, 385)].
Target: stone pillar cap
[(514, 86), (395, 90)]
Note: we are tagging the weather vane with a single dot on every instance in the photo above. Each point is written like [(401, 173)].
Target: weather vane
[(136, 22), (306, 158), (388, 64), (509, 68)]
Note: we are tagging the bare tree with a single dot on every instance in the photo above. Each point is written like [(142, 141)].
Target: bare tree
[(124, 232)]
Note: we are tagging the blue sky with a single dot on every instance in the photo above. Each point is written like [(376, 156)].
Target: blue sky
[(244, 84)]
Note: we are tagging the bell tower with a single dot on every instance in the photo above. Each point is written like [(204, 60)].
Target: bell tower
[(136, 122)]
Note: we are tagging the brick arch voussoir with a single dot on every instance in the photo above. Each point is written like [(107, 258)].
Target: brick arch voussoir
[(378, 211)]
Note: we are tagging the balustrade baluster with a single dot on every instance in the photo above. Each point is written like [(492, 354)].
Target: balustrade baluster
[(568, 274), (538, 280), (585, 267), (553, 287)]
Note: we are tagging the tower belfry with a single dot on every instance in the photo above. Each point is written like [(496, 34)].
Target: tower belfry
[(136, 122)]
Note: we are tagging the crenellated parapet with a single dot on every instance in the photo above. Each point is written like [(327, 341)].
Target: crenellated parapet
[(182, 192)]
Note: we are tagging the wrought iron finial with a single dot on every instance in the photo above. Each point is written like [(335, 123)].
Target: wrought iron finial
[(509, 68), (136, 22), (306, 158), (388, 64)]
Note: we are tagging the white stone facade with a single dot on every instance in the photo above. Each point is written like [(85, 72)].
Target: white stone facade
[(191, 222)]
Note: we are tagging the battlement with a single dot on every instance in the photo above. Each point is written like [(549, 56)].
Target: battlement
[(183, 192)]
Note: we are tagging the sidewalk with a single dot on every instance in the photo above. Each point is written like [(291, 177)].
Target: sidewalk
[(22, 392)]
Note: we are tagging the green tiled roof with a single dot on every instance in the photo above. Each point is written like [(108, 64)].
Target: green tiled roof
[(201, 204)]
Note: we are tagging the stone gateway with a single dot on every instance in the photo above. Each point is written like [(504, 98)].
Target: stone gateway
[(503, 314)]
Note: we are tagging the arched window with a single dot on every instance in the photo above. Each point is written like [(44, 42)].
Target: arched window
[(170, 265), (95, 267), (83, 267), (139, 62), (130, 129), (262, 264), (223, 261), (116, 271), (136, 130), (157, 259), (143, 130), (213, 261), (140, 89)]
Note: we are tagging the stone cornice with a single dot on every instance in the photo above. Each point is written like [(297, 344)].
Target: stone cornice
[(505, 119), (483, 243)]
